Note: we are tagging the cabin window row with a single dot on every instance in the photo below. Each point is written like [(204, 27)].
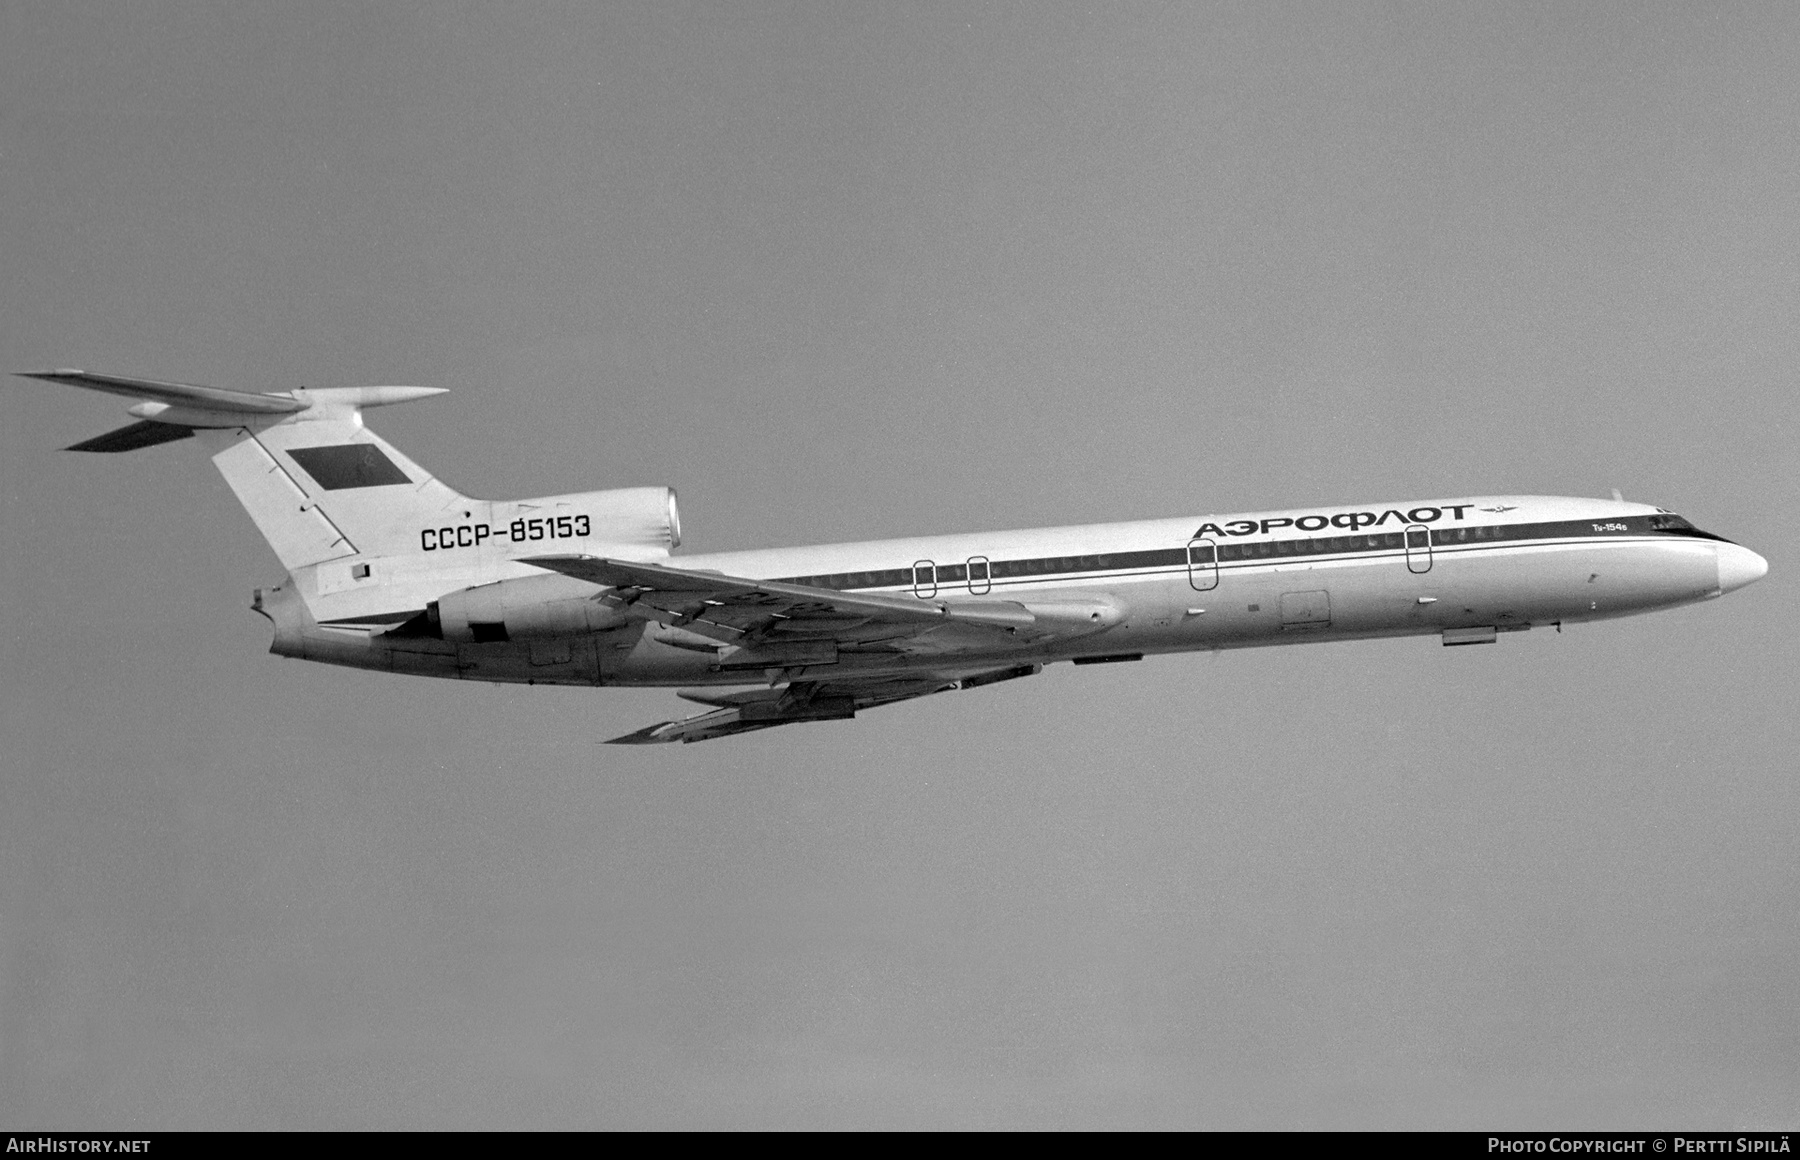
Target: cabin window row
[(1202, 554), (1316, 546), (926, 572)]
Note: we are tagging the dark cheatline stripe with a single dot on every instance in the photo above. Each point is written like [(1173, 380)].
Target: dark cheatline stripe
[(1105, 562), (1227, 552), (1314, 546), (1658, 525)]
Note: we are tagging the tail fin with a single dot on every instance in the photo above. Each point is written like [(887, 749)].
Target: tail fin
[(318, 483), (368, 535)]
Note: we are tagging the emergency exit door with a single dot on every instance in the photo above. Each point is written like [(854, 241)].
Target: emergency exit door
[(1203, 565), (1418, 548)]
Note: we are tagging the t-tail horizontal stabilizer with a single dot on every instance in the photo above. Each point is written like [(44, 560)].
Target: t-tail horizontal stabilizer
[(320, 485), (171, 411), (185, 395), (134, 436)]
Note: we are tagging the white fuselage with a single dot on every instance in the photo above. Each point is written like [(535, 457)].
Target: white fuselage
[(1467, 568)]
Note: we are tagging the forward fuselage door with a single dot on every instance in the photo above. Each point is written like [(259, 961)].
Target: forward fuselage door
[(1418, 548), (1203, 564)]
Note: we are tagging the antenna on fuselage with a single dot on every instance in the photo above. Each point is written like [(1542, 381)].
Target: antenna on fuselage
[(1617, 497)]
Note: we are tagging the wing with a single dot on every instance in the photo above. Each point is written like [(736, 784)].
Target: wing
[(798, 629), (830, 700), (761, 624)]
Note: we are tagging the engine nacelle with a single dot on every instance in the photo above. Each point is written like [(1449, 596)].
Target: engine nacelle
[(526, 608)]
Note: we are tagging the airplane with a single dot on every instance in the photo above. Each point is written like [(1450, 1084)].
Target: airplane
[(390, 569)]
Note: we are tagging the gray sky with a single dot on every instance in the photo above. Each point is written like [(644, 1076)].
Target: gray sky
[(849, 271)]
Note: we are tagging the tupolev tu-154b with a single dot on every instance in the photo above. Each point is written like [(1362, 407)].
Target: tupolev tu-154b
[(390, 569)]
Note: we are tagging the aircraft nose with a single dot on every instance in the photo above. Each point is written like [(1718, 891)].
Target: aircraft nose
[(1738, 566)]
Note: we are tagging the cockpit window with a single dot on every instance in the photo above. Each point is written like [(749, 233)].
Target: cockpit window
[(1670, 524)]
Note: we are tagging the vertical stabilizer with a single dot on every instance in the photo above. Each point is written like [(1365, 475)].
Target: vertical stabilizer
[(367, 534), (318, 484), (321, 485), (299, 532)]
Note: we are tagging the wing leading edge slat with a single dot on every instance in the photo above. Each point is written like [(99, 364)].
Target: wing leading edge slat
[(756, 623), (738, 606), (718, 598)]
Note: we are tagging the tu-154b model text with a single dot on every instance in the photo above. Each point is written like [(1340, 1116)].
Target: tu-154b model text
[(390, 569)]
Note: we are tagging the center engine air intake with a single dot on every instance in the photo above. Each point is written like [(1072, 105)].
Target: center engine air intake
[(647, 516)]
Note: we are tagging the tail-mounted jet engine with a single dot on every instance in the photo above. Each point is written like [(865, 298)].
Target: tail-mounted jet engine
[(526, 608)]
